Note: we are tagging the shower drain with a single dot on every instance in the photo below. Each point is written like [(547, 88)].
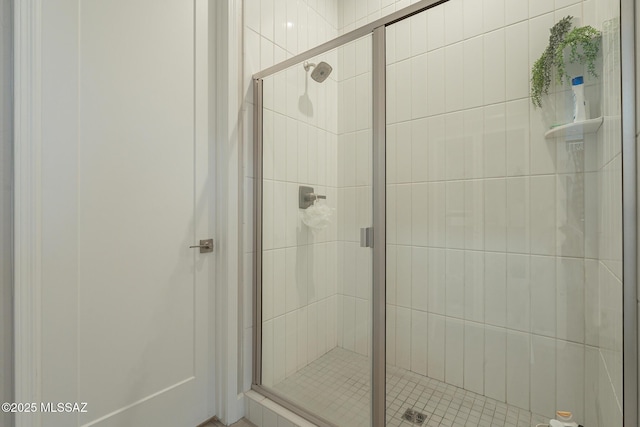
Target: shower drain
[(414, 416)]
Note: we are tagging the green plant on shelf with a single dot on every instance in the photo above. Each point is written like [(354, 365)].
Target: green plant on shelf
[(583, 44)]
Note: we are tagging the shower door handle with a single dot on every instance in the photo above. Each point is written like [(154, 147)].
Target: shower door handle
[(366, 237)]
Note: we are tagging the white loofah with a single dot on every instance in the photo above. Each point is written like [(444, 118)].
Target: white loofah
[(317, 216)]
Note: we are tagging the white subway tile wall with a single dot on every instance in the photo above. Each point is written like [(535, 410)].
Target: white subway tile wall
[(300, 269), (504, 250), (504, 255)]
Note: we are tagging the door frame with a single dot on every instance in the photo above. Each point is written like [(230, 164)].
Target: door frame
[(27, 205), (377, 31), (224, 35)]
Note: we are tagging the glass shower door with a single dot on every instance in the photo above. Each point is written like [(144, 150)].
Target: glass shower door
[(315, 279), (497, 263)]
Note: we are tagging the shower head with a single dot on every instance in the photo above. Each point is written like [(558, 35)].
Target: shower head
[(320, 71)]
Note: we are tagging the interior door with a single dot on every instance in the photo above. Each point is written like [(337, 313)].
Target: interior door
[(124, 185)]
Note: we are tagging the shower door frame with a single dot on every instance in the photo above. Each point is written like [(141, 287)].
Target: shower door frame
[(629, 178), (378, 325), (630, 325)]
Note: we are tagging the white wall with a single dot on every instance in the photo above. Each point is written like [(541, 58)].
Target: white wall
[(300, 149), (6, 206)]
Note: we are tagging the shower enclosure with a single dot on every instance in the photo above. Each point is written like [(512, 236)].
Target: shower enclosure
[(430, 249)]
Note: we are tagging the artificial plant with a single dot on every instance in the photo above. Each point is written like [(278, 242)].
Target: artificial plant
[(583, 44)]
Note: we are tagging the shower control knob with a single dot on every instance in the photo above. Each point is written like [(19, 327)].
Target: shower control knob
[(205, 246)]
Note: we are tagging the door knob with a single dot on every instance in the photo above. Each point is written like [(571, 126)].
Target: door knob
[(205, 246)]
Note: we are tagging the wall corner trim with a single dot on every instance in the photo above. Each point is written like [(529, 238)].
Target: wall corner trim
[(228, 201)]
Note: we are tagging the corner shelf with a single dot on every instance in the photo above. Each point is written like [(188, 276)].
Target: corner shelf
[(573, 130)]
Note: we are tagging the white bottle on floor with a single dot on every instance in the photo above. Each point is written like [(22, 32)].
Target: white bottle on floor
[(565, 419)]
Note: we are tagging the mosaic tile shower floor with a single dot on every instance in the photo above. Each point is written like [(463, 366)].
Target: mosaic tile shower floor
[(337, 386)]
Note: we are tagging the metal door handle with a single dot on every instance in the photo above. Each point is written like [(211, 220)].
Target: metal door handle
[(205, 246)]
